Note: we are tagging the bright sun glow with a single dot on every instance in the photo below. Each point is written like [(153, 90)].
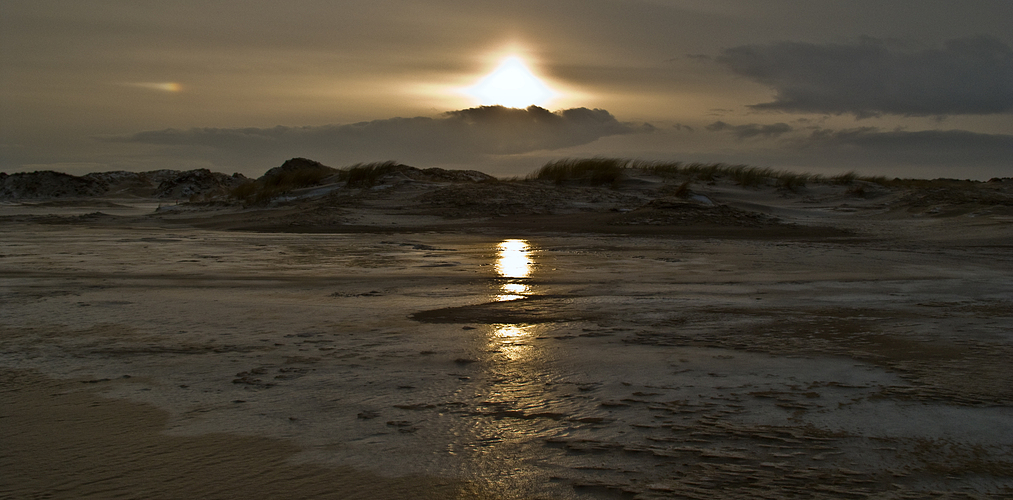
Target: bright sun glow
[(163, 86), (513, 85)]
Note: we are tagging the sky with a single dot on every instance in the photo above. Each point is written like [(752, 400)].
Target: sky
[(902, 88)]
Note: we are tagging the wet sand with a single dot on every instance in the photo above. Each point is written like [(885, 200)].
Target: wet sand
[(862, 355), (63, 440)]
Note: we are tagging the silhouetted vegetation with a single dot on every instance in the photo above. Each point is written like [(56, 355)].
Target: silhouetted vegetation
[(594, 171), (743, 175), (367, 175), (294, 174), (299, 173), (599, 170), (295, 179), (683, 190), (879, 179), (845, 178)]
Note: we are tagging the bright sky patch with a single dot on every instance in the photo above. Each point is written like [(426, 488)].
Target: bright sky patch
[(163, 86), (513, 85)]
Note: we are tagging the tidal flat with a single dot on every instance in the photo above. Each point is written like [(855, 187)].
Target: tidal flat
[(151, 358)]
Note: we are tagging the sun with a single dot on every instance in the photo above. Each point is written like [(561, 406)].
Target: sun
[(513, 85)]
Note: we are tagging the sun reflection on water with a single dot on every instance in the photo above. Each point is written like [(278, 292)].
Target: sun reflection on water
[(514, 267), (510, 341), (513, 263), (515, 370), (512, 291), (511, 331)]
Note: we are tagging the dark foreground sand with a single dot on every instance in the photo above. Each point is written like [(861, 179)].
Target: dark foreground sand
[(64, 442), (758, 344)]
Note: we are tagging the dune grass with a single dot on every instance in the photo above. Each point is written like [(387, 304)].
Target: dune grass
[(367, 174), (294, 174), (295, 179), (600, 170), (274, 185), (743, 175), (845, 178), (595, 171)]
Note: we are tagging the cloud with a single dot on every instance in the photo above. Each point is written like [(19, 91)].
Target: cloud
[(751, 130), (874, 77), (927, 147), (456, 136), (870, 149)]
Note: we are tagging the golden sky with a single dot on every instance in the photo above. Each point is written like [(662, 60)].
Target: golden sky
[(918, 88)]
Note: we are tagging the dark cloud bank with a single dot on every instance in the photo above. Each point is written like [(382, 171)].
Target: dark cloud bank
[(464, 135), (874, 145), (874, 77), (939, 147)]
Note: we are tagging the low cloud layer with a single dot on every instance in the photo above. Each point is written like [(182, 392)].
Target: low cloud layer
[(977, 153), (751, 130), (874, 77), (907, 154), (456, 136)]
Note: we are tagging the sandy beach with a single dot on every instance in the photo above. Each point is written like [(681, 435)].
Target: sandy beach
[(511, 340)]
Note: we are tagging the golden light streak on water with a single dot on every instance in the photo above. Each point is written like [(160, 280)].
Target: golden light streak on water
[(511, 331), (513, 263), (512, 260), (510, 341)]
